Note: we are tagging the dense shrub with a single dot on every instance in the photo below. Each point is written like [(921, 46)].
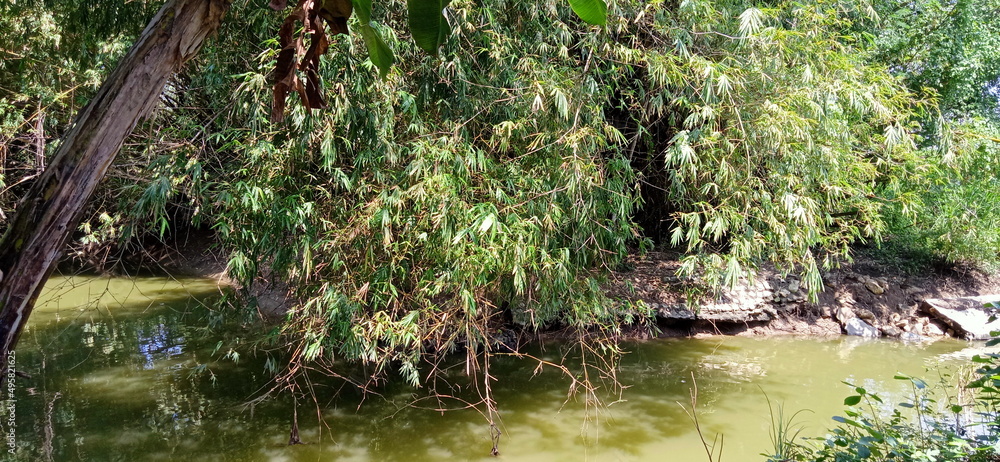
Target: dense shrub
[(951, 49), (956, 211)]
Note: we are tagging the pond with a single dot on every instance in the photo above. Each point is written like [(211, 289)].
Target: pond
[(131, 369)]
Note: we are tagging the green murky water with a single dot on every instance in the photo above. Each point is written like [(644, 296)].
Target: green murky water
[(113, 366)]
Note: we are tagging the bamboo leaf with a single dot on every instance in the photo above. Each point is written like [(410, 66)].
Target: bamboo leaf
[(751, 22), (336, 14), (487, 223)]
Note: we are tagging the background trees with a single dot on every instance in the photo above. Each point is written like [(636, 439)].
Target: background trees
[(51, 208), (62, 54), (948, 50)]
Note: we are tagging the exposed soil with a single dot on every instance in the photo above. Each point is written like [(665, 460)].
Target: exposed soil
[(882, 295), (192, 254)]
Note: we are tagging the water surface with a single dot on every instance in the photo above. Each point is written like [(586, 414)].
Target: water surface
[(134, 370)]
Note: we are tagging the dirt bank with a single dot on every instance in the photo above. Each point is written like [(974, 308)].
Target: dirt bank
[(883, 297)]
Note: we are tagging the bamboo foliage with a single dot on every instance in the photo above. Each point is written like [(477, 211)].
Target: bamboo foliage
[(766, 132), (421, 213), (495, 183), (445, 196)]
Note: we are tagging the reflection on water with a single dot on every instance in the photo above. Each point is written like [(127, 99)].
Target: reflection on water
[(124, 370)]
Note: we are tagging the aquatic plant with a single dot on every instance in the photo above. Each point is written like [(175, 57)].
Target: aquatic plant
[(959, 428)]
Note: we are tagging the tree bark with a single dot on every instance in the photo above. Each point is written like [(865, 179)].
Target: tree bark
[(47, 216)]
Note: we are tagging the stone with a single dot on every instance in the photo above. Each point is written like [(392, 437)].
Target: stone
[(932, 330), (730, 313), (859, 328), (911, 337), (866, 315), (675, 311), (968, 317), (892, 331), (874, 287), (716, 312), (843, 314), (844, 297), (793, 286)]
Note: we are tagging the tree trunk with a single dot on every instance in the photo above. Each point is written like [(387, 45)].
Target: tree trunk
[(51, 210)]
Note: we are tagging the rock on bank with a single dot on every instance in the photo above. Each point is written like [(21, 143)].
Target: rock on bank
[(864, 299)]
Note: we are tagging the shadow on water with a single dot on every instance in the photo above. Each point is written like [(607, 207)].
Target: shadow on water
[(111, 364), (127, 370)]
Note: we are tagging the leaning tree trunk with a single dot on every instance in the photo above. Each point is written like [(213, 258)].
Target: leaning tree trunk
[(52, 208)]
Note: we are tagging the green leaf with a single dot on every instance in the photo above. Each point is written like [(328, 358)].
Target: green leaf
[(427, 23), (363, 10), (592, 11), (751, 22), (852, 400), (380, 53), (487, 223)]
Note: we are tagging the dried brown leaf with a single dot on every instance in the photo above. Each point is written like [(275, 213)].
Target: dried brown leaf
[(336, 13), (284, 69), (310, 65), (294, 57)]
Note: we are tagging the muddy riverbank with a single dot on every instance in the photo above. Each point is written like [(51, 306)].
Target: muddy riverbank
[(862, 298), (865, 297)]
